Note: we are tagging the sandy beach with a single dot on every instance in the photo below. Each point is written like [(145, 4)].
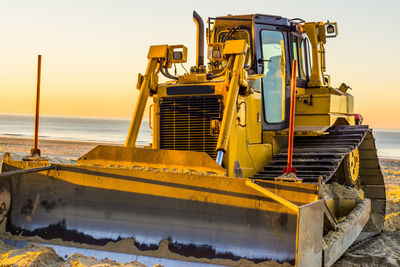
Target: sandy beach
[(53, 149), (379, 250)]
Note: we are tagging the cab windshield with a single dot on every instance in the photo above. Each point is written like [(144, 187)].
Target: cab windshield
[(273, 84)]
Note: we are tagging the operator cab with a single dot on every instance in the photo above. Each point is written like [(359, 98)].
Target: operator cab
[(274, 42)]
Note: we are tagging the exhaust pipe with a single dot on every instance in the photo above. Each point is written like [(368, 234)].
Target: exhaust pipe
[(199, 40)]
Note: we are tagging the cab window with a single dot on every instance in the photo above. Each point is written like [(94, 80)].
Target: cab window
[(225, 35), (273, 84), (307, 50), (298, 54)]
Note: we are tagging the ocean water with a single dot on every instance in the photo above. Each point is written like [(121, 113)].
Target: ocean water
[(72, 128), (115, 131), (388, 143)]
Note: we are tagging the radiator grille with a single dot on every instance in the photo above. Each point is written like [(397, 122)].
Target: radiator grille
[(185, 123)]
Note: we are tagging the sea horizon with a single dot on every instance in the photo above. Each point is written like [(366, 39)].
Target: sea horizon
[(114, 130)]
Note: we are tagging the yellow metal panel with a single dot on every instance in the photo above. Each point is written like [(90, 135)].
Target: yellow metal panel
[(158, 51), (321, 120), (260, 154), (192, 78), (320, 104), (269, 137), (338, 104), (246, 154), (350, 104), (235, 47), (312, 120), (237, 159), (161, 159), (345, 118), (253, 118), (321, 33), (324, 104)]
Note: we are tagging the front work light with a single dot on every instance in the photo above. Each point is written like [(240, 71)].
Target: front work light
[(177, 54), (331, 29), (215, 52)]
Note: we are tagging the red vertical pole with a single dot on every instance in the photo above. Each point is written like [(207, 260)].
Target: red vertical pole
[(35, 150), (289, 168)]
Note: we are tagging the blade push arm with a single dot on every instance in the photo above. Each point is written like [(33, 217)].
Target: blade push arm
[(160, 56), (238, 50), (155, 53)]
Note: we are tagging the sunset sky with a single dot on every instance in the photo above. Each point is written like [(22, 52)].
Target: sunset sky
[(93, 50)]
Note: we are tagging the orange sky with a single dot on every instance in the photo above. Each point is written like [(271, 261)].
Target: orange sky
[(92, 50)]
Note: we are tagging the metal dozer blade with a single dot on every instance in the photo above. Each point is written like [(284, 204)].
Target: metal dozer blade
[(173, 204)]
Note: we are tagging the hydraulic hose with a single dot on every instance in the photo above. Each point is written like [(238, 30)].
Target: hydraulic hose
[(222, 72), (167, 74)]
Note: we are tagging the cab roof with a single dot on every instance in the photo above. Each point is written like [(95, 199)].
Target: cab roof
[(258, 19)]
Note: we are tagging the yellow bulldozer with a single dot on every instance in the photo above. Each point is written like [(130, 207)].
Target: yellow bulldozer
[(213, 186)]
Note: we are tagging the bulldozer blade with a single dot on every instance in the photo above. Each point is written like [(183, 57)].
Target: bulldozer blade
[(188, 162), (208, 218)]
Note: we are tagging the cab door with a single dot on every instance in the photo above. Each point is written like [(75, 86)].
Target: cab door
[(273, 61)]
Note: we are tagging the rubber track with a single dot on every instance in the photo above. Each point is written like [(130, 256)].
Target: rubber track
[(320, 156)]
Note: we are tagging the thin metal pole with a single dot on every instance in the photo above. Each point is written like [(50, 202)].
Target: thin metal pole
[(289, 168), (35, 150), (17, 172)]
